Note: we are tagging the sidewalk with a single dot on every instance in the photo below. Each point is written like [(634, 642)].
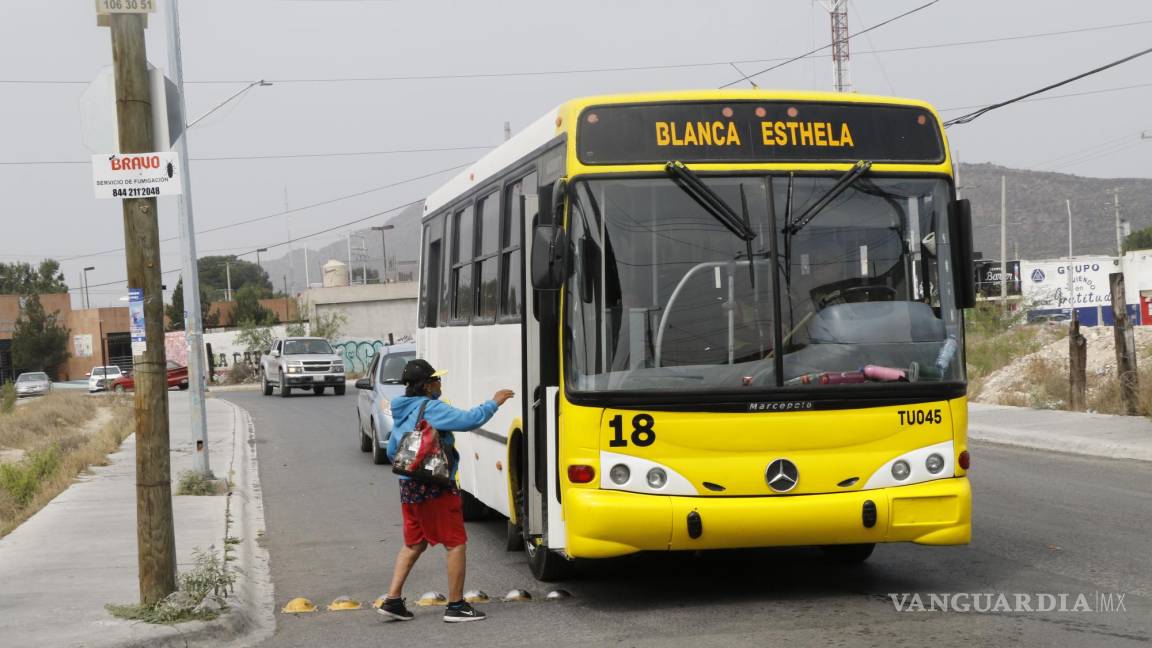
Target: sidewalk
[(59, 569), (1096, 435)]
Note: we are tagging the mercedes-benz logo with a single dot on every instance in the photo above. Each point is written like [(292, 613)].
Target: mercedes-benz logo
[(782, 475)]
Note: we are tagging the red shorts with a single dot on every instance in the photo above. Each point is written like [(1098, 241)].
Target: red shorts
[(436, 521)]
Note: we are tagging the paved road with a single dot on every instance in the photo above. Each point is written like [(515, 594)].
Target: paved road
[(1044, 523)]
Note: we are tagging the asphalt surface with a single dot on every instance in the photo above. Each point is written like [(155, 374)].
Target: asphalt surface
[(1043, 524)]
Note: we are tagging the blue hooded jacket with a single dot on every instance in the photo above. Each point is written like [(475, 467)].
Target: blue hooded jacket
[(442, 416)]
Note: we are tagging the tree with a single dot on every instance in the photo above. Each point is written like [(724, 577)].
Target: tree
[(23, 279), (214, 272), (248, 309), (1139, 240), (254, 339), (175, 310), (39, 342)]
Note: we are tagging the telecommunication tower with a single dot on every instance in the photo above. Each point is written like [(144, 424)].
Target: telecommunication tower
[(838, 10)]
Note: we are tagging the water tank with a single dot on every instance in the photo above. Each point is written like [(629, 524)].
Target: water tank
[(335, 274)]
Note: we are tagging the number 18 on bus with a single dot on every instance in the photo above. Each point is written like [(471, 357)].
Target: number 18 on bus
[(736, 319)]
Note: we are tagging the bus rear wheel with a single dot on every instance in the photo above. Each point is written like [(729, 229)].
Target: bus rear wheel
[(849, 554), (546, 565)]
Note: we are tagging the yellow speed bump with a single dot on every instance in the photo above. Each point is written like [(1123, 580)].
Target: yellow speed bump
[(476, 596), (343, 603), (517, 595), (298, 605), (428, 599)]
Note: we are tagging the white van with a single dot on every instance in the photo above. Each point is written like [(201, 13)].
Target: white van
[(101, 377)]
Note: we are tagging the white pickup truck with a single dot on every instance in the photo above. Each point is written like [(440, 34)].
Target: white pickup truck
[(302, 363)]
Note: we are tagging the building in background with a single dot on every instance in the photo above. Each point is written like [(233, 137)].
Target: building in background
[(98, 336), (373, 311)]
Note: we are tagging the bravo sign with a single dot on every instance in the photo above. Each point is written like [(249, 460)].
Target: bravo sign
[(136, 175)]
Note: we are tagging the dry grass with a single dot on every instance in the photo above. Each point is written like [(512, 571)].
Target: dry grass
[(993, 340), (1049, 389), (62, 435)]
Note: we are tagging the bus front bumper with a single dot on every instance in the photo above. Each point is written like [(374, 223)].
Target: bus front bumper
[(607, 523)]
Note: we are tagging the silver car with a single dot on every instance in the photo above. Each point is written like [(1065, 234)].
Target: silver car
[(34, 383), (373, 406)]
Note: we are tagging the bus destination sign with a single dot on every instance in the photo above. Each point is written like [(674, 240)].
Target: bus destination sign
[(757, 132)]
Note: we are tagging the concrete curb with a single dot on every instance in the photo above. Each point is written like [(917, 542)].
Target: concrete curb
[(249, 618), (1093, 435)]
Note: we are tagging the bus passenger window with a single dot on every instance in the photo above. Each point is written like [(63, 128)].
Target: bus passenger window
[(463, 247), (487, 261), (511, 274)]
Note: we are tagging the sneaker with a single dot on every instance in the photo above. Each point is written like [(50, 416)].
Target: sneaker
[(395, 610), (465, 612)]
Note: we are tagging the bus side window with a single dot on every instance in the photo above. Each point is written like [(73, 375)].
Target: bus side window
[(488, 258), (463, 249), (516, 203), (429, 315)]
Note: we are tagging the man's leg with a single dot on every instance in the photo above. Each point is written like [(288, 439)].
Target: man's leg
[(457, 562), (405, 560)]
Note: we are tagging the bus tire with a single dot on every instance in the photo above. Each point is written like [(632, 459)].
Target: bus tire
[(547, 565), (849, 554), (472, 508)]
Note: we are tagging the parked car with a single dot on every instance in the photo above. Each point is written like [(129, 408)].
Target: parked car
[(373, 409), (33, 383), (302, 363), (177, 377), (100, 377)]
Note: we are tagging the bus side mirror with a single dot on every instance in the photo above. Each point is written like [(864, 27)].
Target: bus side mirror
[(963, 273), (549, 257)]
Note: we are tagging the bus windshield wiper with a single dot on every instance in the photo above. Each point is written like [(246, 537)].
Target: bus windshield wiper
[(712, 203), (842, 183)]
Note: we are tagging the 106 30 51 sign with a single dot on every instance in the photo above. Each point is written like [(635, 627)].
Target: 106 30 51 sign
[(136, 175), (125, 6)]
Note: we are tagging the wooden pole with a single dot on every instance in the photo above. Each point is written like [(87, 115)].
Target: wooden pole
[(1125, 346), (1077, 366), (154, 528)]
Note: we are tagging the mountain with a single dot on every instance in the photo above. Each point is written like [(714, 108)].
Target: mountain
[(1037, 216)]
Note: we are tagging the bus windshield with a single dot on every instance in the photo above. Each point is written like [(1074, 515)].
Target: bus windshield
[(664, 297)]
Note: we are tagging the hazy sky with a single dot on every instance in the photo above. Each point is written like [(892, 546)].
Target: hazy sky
[(334, 64)]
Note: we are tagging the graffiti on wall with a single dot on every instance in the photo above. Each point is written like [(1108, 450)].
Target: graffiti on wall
[(358, 354)]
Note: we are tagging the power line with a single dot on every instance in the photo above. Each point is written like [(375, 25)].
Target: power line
[(964, 119), (1059, 96), (273, 156), (285, 212), (820, 49), (599, 70)]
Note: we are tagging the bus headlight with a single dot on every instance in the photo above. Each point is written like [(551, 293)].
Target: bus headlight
[(619, 474), (901, 470), (657, 478), (934, 463)]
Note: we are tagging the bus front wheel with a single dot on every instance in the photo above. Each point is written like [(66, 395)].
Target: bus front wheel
[(546, 565), (849, 554)]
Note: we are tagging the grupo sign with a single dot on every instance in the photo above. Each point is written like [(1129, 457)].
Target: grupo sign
[(136, 175), (1045, 283)]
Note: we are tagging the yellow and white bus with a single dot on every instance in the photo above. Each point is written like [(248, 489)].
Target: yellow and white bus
[(732, 318)]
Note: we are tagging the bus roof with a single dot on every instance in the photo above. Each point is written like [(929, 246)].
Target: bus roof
[(561, 119)]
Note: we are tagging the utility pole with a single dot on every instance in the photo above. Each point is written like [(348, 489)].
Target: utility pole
[(307, 275), (154, 528), (228, 274), (1003, 244), (1116, 205), (288, 230), (1071, 270), (194, 326), (1125, 346)]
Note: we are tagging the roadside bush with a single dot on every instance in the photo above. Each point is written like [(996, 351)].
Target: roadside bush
[(7, 398), (22, 479), (199, 595), (241, 373)]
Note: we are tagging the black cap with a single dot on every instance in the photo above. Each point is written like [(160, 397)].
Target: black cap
[(417, 371)]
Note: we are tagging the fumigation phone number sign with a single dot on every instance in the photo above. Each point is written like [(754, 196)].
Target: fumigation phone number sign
[(136, 175)]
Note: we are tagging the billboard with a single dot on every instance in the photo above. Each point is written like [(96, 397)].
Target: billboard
[(988, 278)]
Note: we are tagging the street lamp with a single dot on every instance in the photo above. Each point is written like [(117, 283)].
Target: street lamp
[(87, 302), (384, 249), (262, 83)]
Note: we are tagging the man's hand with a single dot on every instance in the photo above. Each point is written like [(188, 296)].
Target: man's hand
[(503, 395)]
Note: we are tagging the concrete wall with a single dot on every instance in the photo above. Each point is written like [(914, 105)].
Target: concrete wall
[(373, 311)]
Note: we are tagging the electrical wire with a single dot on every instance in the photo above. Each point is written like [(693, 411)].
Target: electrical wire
[(599, 70), (965, 119), (1059, 96), (281, 213), (820, 49)]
